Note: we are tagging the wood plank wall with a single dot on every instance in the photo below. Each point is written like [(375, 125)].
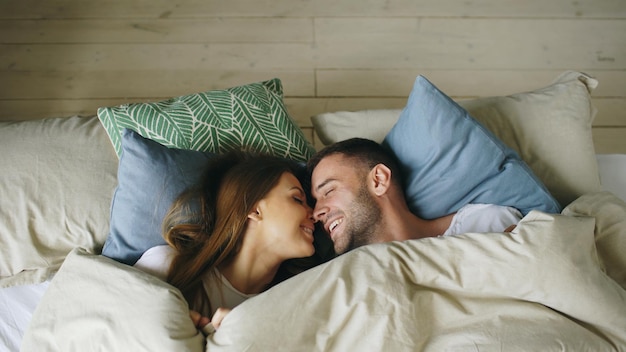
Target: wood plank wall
[(67, 57)]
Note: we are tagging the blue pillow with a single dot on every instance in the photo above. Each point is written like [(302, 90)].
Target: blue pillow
[(150, 176), (449, 160)]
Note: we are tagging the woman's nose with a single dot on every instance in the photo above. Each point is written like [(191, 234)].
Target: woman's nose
[(309, 213)]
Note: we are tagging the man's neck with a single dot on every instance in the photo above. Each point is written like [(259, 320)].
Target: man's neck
[(401, 225)]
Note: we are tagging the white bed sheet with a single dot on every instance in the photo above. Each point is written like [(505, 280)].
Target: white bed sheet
[(612, 168), (17, 304)]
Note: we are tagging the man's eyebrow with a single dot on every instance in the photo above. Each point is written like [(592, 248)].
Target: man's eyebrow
[(324, 183)]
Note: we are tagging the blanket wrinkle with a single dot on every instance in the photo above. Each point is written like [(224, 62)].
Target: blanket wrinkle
[(538, 288)]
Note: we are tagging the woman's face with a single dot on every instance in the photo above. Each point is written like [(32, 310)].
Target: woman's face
[(287, 220)]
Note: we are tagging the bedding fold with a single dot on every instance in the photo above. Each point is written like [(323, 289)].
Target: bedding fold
[(541, 287), (538, 288)]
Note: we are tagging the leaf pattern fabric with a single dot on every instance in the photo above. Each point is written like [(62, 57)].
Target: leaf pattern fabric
[(250, 116)]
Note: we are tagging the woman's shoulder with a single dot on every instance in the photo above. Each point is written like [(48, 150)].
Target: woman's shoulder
[(156, 261), (221, 292)]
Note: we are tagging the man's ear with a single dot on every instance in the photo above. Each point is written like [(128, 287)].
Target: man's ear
[(381, 179)]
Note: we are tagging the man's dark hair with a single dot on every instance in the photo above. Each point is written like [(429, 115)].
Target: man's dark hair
[(363, 151)]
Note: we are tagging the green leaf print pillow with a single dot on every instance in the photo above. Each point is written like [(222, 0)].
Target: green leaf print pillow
[(250, 116)]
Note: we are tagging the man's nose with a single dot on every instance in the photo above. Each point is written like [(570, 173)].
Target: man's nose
[(319, 211)]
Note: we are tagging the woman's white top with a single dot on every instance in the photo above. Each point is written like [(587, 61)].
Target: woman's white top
[(157, 260), (483, 218)]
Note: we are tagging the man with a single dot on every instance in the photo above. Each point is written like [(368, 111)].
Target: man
[(360, 200)]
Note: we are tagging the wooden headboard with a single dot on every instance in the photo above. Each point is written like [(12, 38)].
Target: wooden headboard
[(68, 57)]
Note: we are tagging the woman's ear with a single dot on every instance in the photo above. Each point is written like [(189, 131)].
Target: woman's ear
[(255, 214), (381, 179)]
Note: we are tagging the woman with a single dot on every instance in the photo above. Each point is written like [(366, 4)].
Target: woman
[(231, 235)]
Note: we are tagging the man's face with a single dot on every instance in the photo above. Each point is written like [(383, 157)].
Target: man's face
[(345, 207)]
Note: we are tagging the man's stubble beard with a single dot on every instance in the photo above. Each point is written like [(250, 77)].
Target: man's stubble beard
[(365, 220)]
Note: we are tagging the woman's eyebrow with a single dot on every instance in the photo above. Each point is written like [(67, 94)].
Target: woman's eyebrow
[(299, 189)]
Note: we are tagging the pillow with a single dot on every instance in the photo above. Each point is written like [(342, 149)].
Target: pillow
[(337, 126), (536, 288), (449, 160), (57, 179), (150, 176), (550, 128), (94, 303), (251, 115)]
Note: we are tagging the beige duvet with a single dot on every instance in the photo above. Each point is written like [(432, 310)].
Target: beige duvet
[(556, 283)]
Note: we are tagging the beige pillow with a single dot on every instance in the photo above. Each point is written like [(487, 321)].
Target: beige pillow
[(549, 127), (57, 180), (97, 304)]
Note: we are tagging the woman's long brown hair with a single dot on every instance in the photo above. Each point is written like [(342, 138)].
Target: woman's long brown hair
[(206, 223)]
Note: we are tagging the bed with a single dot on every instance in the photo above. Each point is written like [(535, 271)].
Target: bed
[(82, 199)]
